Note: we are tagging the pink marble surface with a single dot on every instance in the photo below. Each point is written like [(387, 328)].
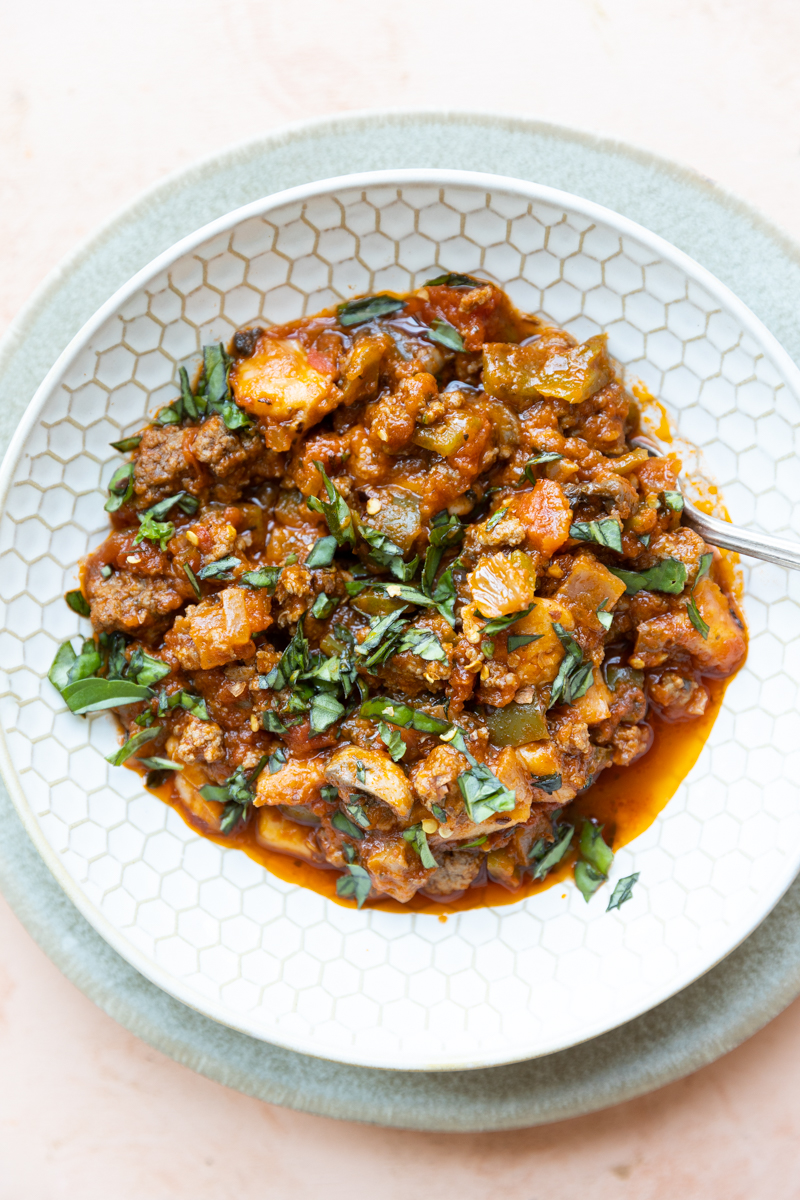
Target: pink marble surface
[(99, 100)]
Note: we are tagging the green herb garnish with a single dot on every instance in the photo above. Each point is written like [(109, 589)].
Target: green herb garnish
[(78, 603), (498, 624), (334, 510), (484, 794), (345, 825), (392, 740), (132, 745), (368, 308), (120, 487), (547, 855), (127, 444), (588, 879), (517, 640), (323, 606), (623, 891), (593, 848), (667, 576), (445, 334), (418, 838), (236, 793), (452, 279), (190, 575), (356, 886), (264, 577), (605, 532), (221, 569), (574, 676), (694, 613), (322, 552)]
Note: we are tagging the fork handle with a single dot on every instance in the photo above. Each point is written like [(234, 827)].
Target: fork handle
[(745, 541)]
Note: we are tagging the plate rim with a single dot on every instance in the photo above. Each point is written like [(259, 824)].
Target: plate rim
[(532, 191)]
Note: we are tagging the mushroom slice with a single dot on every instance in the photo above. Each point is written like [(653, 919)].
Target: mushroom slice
[(374, 774)]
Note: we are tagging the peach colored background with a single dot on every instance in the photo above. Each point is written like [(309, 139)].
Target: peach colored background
[(97, 101)]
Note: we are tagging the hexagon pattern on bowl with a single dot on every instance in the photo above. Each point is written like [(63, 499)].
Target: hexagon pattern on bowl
[(209, 924)]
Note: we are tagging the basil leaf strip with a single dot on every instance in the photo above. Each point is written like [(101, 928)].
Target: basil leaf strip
[(190, 575), (335, 511), (623, 891), (127, 444), (161, 764), (368, 308), (452, 279), (445, 334), (132, 745), (92, 695), (517, 640), (120, 487), (547, 783), (357, 885), (393, 741), (418, 838), (588, 879), (574, 676), (593, 848), (691, 608), (322, 552), (220, 569), (498, 624), (667, 576), (605, 532), (549, 858), (264, 577), (345, 825), (484, 794), (61, 666), (78, 603)]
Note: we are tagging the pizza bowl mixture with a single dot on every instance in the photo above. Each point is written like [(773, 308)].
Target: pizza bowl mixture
[(389, 586)]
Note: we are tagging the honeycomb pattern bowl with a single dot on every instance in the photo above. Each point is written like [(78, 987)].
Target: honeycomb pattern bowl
[(212, 927)]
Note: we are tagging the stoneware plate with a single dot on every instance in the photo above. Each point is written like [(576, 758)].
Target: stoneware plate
[(213, 928)]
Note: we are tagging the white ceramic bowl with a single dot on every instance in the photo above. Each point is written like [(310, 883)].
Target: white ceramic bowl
[(212, 927)]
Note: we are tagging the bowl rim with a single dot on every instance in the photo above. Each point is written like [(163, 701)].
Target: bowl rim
[(542, 193)]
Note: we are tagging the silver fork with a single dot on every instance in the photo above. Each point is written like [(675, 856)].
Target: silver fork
[(731, 537)]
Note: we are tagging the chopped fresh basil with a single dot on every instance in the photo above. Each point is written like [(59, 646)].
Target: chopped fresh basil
[(325, 711), (439, 813), (345, 825), (367, 308), (593, 848), (271, 722), (264, 577), (61, 666), (484, 794), (78, 603), (192, 704), (120, 487), (322, 552), (190, 575), (694, 613), (146, 670), (385, 553), (127, 444), (187, 400), (277, 760), (213, 394), (334, 510), (667, 576), (161, 764), (323, 606), (445, 334), (392, 740), (381, 641), (154, 531), (477, 842), (236, 794), (517, 640), (452, 279), (605, 532), (87, 663), (187, 503), (623, 890), (672, 500), (221, 569), (498, 624), (487, 648), (355, 886), (588, 879), (574, 676), (361, 771), (496, 518), (329, 794), (132, 745), (92, 695), (397, 713), (547, 783), (606, 619), (422, 642), (547, 855), (538, 460), (113, 647), (418, 838)]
